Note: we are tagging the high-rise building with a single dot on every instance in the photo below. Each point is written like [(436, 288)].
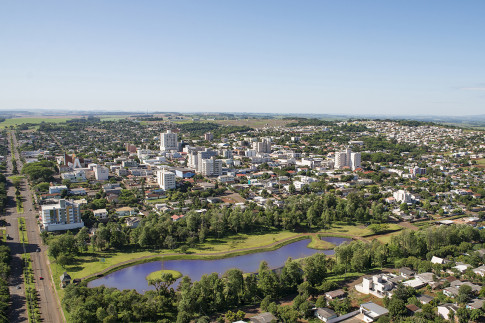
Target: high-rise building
[(208, 136), (264, 146), (347, 158), (168, 141), (101, 173), (166, 179), (355, 159), (211, 167), (65, 215)]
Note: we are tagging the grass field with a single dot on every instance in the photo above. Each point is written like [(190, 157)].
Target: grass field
[(319, 244), (158, 274), (254, 123), (18, 121)]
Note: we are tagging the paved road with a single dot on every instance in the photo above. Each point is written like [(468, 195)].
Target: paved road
[(48, 301)]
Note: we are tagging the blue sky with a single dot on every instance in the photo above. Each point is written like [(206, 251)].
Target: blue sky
[(352, 57)]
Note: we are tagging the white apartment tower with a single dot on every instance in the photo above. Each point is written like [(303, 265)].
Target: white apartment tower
[(168, 141), (211, 167), (347, 158), (64, 215), (101, 173), (166, 179), (264, 146)]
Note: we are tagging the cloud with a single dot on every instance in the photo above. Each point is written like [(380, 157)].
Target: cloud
[(473, 88)]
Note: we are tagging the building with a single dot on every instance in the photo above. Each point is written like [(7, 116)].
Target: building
[(347, 158), (57, 189), (168, 141), (262, 147), (64, 215), (263, 318), (325, 314), (402, 196), (166, 179), (101, 213), (101, 173), (125, 211), (372, 311), (378, 285), (75, 176), (211, 167), (65, 279), (208, 136), (446, 310)]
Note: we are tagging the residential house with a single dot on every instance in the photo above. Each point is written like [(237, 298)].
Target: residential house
[(125, 211), (263, 318), (445, 310), (101, 213), (378, 285), (372, 311), (325, 314), (335, 294)]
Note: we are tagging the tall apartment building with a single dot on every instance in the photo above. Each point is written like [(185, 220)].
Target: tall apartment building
[(347, 158), (168, 141), (101, 173), (211, 167), (65, 215), (166, 179), (208, 136), (264, 146)]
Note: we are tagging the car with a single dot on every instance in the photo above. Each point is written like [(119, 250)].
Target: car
[(18, 287), (41, 278), (38, 250)]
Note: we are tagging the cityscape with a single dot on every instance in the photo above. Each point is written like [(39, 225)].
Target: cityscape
[(242, 161)]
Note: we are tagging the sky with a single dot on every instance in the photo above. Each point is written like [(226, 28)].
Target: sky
[(272, 56)]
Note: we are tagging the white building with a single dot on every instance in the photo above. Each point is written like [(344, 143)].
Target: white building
[(64, 215), (168, 141), (75, 176), (211, 167), (264, 146), (101, 173), (372, 311), (166, 179), (378, 285), (101, 213), (57, 189), (402, 196), (347, 158)]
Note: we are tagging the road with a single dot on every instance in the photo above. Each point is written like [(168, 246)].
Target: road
[(48, 302)]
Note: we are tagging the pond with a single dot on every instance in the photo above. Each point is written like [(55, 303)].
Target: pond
[(133, 277)]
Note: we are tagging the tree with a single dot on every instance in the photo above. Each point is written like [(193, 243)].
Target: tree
[(396, 307), (315, 269), (291, 275), (464, 294)]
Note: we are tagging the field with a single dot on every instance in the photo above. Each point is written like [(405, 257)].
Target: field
[(18, 121), (480, 163)]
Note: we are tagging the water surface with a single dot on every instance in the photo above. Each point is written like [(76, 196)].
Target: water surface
[(133, 277)]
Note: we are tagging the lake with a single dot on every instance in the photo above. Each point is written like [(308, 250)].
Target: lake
[(133, 277)]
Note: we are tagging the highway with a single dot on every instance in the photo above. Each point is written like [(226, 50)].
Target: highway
[(48, 301)]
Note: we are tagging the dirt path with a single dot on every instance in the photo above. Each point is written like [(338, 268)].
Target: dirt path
[(408, 225)]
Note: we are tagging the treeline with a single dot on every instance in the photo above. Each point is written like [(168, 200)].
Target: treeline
[(302, 122), (161, 232), (3, 193), (4, 291), (200, 128), (211, 296)]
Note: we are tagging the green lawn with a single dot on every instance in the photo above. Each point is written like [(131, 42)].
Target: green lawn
[(318, 243), (158, 274)]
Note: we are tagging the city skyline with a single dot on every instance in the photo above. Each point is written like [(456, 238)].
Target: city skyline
[(277, 57)]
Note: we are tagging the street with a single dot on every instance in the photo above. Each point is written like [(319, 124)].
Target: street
[(49, 306)]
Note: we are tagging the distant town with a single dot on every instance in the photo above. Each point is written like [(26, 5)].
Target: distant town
[(200, 218)]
